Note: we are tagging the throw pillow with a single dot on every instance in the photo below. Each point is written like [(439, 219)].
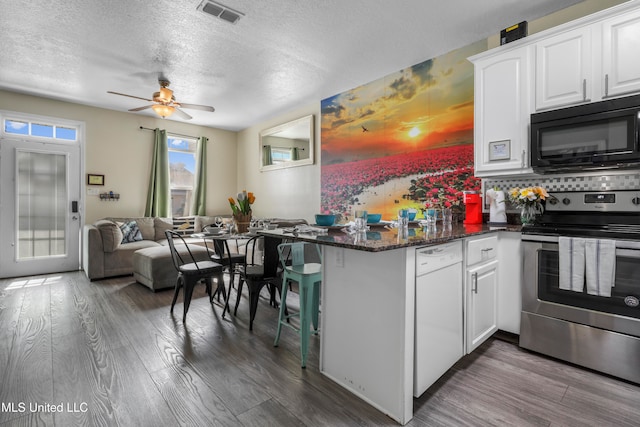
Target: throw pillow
[(184, 225), (130, 232)]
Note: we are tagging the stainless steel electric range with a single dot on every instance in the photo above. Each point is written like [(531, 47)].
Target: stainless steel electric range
[(601, 332)]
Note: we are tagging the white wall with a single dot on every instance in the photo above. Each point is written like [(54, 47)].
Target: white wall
[(284, 193), (119, 150)]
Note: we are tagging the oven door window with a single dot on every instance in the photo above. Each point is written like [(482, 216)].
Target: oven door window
[(625, 292)]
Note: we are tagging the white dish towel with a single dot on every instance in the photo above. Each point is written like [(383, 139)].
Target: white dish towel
[(571, 258), (600, 256)]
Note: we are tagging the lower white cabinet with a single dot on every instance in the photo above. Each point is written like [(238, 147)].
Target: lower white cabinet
[(481, 290), (482, 304)]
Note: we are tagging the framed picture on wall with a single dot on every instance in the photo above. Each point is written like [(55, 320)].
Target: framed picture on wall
[(499, 150), (93, 179)]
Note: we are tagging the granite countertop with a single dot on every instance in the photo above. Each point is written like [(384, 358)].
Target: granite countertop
[(379, 238)]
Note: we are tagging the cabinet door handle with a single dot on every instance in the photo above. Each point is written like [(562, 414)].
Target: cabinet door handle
[(584, 89), (486, 249), (606, 85), (523, 158), (474, 289)]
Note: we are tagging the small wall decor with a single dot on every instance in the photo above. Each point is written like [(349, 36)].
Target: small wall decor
[(499, 150), (109, 196), (93, 179)]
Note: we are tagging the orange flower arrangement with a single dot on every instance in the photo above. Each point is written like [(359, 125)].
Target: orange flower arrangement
[(243, 206)]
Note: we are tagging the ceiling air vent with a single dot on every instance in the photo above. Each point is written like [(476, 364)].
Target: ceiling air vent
[(220, 11)]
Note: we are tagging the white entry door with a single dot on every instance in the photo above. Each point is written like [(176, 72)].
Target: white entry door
[(39, 207)]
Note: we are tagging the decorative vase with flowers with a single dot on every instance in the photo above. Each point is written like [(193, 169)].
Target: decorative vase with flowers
[(529, 200), (242, 210)]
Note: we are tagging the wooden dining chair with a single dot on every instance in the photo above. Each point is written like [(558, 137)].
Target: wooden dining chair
[(190, 271), (260, 268)]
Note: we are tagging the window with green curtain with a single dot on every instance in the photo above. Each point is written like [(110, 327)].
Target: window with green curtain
[(199, 199), (158, 197)]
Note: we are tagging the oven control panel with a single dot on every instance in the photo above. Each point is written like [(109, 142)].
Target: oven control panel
[(605, 201)]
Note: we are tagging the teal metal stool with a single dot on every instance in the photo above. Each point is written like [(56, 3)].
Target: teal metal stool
[(308, 276)]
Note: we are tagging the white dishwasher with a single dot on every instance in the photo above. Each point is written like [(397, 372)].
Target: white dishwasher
[(439, 341)]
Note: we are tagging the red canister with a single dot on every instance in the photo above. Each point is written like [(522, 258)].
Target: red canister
[(473, 207)]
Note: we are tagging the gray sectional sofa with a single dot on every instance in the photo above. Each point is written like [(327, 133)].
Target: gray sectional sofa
[(105, 255)]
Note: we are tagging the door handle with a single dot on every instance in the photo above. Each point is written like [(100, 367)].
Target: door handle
[(606, 85), (584, 89), (474, 278), (75, 217)]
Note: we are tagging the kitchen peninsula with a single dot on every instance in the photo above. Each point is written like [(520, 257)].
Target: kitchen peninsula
[(368, 308)]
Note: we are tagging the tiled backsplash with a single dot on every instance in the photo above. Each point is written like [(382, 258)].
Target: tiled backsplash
[(554, 183)]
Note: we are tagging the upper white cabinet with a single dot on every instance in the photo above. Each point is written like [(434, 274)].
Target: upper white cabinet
[(563, 69), (590, 63), (502, 86), (621, 54)]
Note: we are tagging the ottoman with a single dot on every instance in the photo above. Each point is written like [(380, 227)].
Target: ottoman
[(153, 267)]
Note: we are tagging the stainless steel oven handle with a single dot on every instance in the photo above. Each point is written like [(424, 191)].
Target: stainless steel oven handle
[(539, 238), (628, 253)]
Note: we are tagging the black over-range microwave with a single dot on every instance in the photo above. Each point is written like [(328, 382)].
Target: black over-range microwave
[(600, 135)]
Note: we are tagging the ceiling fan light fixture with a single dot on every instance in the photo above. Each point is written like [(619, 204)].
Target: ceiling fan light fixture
[(163, 111), (166, 94)]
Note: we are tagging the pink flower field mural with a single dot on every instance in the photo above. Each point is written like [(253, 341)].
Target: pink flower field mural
[(403, 141)]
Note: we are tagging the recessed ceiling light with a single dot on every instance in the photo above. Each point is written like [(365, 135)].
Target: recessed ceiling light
[(220, 11)]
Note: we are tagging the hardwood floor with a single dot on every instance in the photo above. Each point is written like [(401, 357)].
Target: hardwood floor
[(111, 354)]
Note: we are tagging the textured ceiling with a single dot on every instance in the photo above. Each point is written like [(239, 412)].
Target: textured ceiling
[(280, 55)]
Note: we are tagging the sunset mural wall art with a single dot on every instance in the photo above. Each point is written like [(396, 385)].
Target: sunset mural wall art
[(402, 141)]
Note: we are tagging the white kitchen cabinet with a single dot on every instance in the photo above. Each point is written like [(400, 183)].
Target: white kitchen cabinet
[(621, 59), (481, 290), (596, 61), (510, 274), (502, 109), (564, 69)]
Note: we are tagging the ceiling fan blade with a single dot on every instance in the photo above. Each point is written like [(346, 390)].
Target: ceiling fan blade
[(130, 96), (182, 114), (197, 107), (141, 108)]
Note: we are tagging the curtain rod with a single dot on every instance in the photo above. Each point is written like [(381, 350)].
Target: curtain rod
[(172, 133), (274, 146)]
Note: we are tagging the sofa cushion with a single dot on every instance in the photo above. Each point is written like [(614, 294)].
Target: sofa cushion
[(162, 225), (110, 233), (130, 232)]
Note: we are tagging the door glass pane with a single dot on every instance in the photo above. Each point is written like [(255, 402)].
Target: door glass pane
[(16, 127), (41, 130), (66, 133), (42, 204)]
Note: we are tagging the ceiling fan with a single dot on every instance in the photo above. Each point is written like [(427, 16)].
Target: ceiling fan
[(165, 103)]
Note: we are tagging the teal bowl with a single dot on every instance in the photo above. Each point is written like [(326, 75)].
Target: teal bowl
[(374, 218), (326, 220)]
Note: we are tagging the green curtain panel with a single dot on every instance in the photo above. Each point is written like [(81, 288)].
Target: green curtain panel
[(266, 155), (294, 154), (159, 194), (199, 199)]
